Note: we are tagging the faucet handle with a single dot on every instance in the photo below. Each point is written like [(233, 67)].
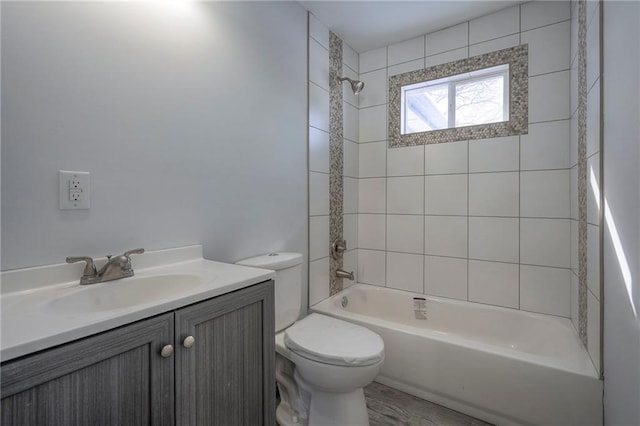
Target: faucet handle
[(89, 268), (134, 251)]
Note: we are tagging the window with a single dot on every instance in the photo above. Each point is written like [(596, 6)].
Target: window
[(479, 97)]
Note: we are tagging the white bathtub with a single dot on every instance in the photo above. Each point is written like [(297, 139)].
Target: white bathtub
[(500, 365)]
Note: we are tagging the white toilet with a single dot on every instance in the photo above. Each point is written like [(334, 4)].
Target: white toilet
[(322, 363)]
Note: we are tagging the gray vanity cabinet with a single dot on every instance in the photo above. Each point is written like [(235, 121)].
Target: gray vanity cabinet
[(225, 377), (113, 378)]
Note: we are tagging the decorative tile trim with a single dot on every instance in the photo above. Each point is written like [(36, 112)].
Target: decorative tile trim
[(336, 157), (516, 57), (582, 171)]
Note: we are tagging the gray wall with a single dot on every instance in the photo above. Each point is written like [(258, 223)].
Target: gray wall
[(621, 153), (191, 118)]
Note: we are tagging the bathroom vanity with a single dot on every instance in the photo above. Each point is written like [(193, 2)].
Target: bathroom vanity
[(202, 357)]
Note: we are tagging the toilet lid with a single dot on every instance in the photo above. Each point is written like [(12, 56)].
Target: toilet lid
[(332, 341)]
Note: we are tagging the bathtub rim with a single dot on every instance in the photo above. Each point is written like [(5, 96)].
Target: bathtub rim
[(581, 367)]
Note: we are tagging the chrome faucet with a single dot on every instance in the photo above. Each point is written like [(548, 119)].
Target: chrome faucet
[(340, 273), (117, 267)]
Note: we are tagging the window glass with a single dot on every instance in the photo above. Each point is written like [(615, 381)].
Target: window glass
[(478, 97)]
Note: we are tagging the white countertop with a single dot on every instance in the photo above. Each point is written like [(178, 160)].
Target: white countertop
[(28, 327)]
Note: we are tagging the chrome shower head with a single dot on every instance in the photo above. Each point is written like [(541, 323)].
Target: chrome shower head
[(356, 85)]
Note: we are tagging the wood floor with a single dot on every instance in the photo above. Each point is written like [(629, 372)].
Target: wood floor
[(391, 407)]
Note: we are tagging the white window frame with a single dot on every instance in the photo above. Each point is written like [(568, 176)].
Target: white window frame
[(452, 82)]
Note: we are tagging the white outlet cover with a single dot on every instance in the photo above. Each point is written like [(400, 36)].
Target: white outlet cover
[(82, 192)]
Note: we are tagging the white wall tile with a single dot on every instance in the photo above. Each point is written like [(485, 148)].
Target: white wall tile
[(445, 57), (350, 230), (540, 13), (350, 123), (350, 158), (405, 195), (406, 51), (373, 124), (592, 10), (318, 31), (493, 194), (404, 271), (494, 45), (549, 97), (549, 48), (375, 91), (372, 159), (446, 195), (318, 237), (445, 277), (545, 193), (546, 146), (318, 107), (318, 280), (593, 120), (593, 328), (493, 283), (405, 161), (350, 264), (318, 194), (545, 242), (318, 64), (573, 145), (373, 60), (545, 290), (371, 267), (493, 238), (494, 154), (371, 231), (574, 300), (444, 158), (593, 259), (593, 189), (404, 233), (446, 236), (372, 195), (349, 57), (574, 245), (499, 24), (574, 33), (448, 39), (593, 52), (405, 67), (318, 150), (350, 195)]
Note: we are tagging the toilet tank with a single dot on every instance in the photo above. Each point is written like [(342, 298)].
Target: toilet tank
[(288, 284)]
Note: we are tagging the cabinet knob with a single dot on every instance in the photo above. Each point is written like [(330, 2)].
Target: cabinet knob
[(166, 351), (188, 341)]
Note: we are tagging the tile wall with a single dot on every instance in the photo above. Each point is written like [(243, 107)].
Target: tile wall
[(592, 140), (488, 220), (319, 160)]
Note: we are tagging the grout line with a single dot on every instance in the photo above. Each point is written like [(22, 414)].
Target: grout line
[(386, 184)]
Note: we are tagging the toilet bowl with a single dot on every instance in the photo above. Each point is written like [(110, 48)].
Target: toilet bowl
[(322, 363)]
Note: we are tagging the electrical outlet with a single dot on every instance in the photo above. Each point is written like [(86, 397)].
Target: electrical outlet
[(74, 190)]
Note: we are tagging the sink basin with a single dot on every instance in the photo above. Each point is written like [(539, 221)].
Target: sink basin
[(123, 293)]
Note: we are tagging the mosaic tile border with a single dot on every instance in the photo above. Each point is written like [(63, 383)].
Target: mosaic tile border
[(582, 171), (516, 57), (335, 157)]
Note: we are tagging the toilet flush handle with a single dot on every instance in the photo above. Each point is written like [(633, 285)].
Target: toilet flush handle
[(188, 341)]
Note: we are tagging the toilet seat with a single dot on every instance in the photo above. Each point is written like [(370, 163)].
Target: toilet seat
[(331, 341)]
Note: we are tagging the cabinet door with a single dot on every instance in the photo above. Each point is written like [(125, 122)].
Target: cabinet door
[(227, 376), (114, 378)]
